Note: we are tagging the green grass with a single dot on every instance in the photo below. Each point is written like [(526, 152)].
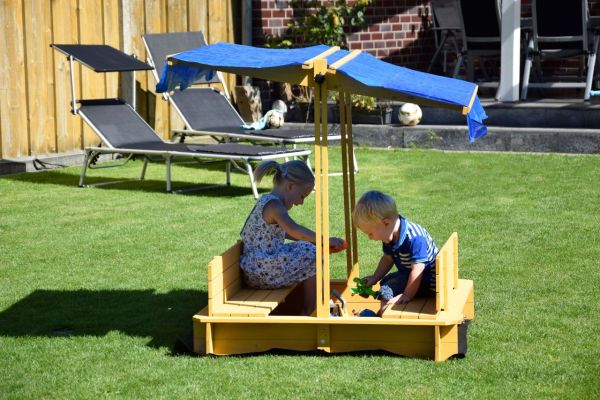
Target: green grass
[(96, 284)]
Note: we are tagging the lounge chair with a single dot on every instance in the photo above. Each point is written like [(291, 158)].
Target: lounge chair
[(208, 112), (124, 131), (561, 31)]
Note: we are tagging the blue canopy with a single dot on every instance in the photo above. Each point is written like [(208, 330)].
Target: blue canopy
[(358, 73)]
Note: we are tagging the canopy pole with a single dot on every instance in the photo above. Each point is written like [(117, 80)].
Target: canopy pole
[(318, 205), (345, 184), (321, 190), (350, 153)]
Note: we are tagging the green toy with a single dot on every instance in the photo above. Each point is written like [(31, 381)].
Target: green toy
[(363, 290)]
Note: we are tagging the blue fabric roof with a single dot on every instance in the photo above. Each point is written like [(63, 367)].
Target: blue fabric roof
[(365, 69)]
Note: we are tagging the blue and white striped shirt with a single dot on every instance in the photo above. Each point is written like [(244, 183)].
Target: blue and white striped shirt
[(414, 245)]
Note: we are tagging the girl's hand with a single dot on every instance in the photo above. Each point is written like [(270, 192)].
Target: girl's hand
[(336, 245)]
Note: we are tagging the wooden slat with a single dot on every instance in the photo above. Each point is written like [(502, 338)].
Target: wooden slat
[(158, 108), (39, 68), (136, 30), (65, 30), (428, 311), (92, 83), (112, 37), (176, 22), (13, 103)]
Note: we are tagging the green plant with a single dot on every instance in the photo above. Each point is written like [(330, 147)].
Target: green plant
[(359, 101), (326, 23)]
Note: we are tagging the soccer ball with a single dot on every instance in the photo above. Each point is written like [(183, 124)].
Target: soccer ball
[(410, 114), (275, 119)]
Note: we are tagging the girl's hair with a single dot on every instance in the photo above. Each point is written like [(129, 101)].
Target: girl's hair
[(374, 206), (295, 171)]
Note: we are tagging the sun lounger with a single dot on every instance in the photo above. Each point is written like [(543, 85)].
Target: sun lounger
[(208, 112), (124, 131)]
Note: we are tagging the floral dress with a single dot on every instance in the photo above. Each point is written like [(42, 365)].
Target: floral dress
[(267, 261)]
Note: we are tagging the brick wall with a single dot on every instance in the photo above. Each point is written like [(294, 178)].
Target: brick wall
[(396, 31)]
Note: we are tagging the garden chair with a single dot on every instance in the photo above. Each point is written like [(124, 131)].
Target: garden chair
[(207, 111), (561, 30), (123, 131)]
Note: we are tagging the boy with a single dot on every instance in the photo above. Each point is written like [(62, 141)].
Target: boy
[(406, 244)]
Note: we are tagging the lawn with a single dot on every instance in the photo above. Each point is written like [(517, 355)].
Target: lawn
[(96, 284)]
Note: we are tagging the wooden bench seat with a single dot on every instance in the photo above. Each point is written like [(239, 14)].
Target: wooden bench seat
[(228, 297), (452, 295)]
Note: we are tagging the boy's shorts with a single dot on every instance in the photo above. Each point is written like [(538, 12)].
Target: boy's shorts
[(396, 281)]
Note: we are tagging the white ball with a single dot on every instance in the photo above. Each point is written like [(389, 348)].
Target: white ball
[(275, 120), (410, 114)]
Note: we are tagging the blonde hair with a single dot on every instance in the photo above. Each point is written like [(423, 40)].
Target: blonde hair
[(374, 206), (295, 171)]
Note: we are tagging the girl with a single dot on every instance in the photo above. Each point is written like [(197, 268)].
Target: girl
[(267, 261)]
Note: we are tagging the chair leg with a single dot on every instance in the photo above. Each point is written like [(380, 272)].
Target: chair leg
[(354, 161), (168, 174), (228, 173), (251, 176), (526, 72), (437, 51), (143, 174), (459, 62), (590, 68), (86, 160)]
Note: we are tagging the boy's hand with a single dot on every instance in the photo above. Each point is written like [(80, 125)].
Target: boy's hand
[(370, 280), (400, 299)]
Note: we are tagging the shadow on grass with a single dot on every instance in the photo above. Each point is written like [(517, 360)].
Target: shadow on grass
[(59, 313), (217, 189)]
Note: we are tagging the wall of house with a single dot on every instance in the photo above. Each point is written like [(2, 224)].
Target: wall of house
[(397, 31)]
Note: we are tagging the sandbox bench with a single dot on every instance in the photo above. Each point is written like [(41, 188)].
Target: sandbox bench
[(227, 295)]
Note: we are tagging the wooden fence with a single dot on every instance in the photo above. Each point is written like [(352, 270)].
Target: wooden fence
[(35, 116)]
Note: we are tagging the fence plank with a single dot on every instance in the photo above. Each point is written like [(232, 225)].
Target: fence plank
[(65, 30), (13, 104), (40, 95), (92, 83), (176, 22), (158, 109), (112, 36)]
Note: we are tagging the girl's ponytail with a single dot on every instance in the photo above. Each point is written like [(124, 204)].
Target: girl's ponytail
[(295, 171)]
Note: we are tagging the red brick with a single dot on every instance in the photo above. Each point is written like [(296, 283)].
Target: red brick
[(377, 36)]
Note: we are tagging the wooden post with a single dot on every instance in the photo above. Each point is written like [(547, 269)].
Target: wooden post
[(321, 189), (345, 180), (351, 190)]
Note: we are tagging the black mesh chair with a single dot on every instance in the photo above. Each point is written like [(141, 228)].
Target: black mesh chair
[(480, 24), (123, 131), (561, 30), (447, 31)]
